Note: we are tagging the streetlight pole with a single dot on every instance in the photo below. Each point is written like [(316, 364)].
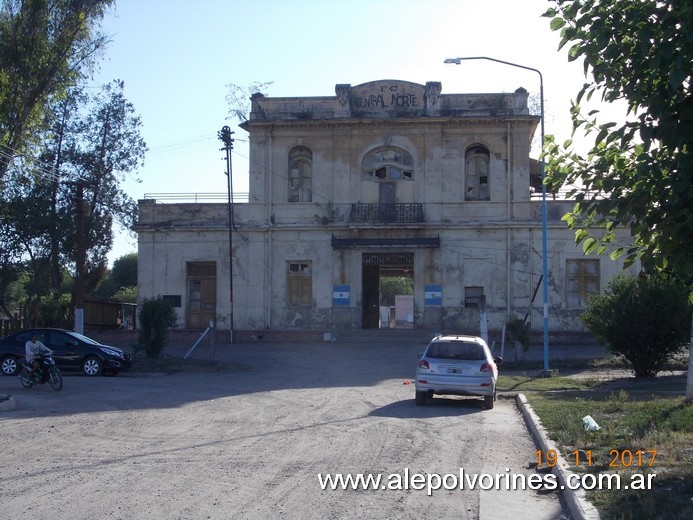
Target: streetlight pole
[(225, 136), (545, 268)]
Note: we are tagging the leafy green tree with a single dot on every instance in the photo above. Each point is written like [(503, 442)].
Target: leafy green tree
[(107, 148), (645, 319), (10, 289), (391, 286), (96, 146), (45, 46), (126, 295), (124, 270), (122, 279), (156, 316), (639, 173)]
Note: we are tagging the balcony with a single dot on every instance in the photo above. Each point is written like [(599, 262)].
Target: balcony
[(386, 213)]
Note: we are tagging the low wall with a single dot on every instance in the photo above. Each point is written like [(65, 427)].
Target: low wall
[(182, 337)]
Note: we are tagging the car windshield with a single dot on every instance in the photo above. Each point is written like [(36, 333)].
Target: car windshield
[(83, 338), (456, 350)]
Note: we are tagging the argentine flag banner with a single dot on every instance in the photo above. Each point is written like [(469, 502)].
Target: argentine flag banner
[(340, 296), (433, 295)]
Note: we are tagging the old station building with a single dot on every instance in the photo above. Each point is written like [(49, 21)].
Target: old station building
[(381, 182)]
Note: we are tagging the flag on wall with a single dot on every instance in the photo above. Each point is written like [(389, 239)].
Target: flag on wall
[(433, 295), (340, 296)]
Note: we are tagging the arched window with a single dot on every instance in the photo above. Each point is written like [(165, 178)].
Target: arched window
[(388, 164), (300, 173), (476, 174)]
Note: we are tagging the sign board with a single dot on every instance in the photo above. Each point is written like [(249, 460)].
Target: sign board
[(433, 295), (340, 296)]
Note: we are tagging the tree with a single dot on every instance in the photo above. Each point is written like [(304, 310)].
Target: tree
[(45, 45), (238, 98), (391, 286), (124, 270), (645, 319), (108, 148), (638, 173), (156, 316), (91, 144), (121, 281)]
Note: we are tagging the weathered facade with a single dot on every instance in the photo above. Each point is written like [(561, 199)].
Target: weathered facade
[(388, 179)]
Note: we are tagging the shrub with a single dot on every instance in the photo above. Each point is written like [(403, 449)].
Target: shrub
[(156, 318), (518, 330), (644, 319)]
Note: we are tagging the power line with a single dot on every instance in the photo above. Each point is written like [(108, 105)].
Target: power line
[(42, 168)]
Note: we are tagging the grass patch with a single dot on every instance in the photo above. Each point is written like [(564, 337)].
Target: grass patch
[(630, 423), (678, 361)]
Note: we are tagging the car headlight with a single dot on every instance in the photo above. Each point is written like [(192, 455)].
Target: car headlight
[(112, 352)]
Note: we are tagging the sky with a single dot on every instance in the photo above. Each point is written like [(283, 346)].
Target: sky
[(178, 57)]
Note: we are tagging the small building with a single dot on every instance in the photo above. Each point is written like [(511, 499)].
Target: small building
[(385, 186)]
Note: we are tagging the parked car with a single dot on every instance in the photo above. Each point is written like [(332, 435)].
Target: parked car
[(71, 351), (457, 365)]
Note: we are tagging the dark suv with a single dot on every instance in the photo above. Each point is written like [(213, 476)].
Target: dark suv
[(71, 351)]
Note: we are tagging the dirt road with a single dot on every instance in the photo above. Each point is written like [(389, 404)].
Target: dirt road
[(250, 443)]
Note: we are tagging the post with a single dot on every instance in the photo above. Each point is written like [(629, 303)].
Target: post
[(79, 261), (225, 136), (483, 318), (689, 378), (544, 246)]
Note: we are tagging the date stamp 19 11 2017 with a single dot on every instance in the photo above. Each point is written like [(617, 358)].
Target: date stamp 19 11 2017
[(618, 458)]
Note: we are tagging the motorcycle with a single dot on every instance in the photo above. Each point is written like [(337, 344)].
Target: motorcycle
[(47, 372)]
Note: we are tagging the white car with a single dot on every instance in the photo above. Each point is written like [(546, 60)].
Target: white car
[(457, 365)]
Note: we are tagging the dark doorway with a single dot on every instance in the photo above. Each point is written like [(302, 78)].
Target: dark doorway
[(386, 206), (387, 288), (371, 296)]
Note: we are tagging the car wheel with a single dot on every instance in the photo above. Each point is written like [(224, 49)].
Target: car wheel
[(10, 365), (92, 366), (489, 400), (420, 398)]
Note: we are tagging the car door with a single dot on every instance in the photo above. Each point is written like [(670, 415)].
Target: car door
[(66, 349)]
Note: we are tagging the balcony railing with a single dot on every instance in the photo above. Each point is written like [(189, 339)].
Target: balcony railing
[(386, 213)]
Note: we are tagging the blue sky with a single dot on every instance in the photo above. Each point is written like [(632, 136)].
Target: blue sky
[(177, 58)]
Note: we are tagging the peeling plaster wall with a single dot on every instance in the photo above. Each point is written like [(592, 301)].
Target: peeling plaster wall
[(492, 244)]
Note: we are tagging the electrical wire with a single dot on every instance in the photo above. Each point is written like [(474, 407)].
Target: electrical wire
[(41, 168)]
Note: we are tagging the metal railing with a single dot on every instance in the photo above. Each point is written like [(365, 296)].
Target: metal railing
[(242, 197), (386, 213)]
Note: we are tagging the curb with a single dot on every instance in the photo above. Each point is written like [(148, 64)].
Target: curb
[(580, 508)]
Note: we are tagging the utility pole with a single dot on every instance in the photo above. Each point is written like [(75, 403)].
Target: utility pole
[(225, 136), (79, 261)]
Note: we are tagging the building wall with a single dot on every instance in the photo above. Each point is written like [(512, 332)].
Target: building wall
[(494, 244)]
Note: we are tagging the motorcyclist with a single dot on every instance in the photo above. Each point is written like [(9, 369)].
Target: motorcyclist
[(33, 349)]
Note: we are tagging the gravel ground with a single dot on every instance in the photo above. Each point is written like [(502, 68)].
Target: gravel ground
[(251, 441)]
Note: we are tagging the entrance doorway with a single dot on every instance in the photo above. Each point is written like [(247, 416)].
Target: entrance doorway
[(388, 290), (202, 294)]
